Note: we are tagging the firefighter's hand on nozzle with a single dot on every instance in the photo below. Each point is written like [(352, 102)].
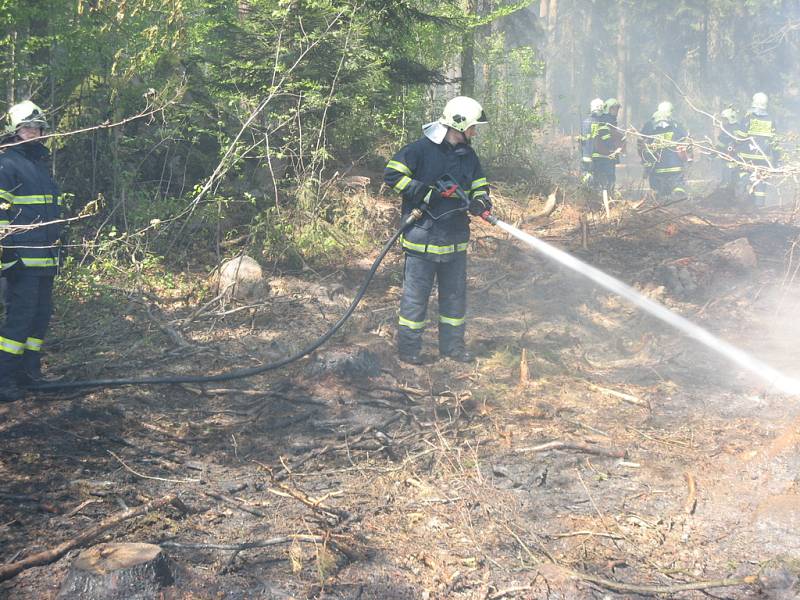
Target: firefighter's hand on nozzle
[(479, 205)]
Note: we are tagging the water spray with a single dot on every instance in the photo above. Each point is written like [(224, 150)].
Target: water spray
[(774, 378)]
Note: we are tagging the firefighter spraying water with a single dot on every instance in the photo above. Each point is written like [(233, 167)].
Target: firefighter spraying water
[(434, 234)]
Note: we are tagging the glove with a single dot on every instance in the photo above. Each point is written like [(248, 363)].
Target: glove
[(587, 178), (479, 205)]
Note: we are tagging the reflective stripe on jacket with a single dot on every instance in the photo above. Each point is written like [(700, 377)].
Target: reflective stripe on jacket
[(28, 197), (443, 230), (759, 144), (588, 133), (659, 146)]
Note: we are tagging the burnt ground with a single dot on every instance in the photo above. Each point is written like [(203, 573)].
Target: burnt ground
[(591, 452)]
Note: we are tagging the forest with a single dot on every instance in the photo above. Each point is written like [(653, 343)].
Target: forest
[(592, 450)]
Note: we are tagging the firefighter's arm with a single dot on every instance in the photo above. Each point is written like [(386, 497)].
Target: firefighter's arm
[(399, 175), (479, 201), (6, 199)]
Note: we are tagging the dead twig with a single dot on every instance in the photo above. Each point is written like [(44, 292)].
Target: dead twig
[(667, 590), (46, 557), (82, 505), (335, 543), (143, 476), (620, 395), (579, 446), (509, 591), (613, 536), (691, 497), (315, 504), (232, 502), (205, 306)]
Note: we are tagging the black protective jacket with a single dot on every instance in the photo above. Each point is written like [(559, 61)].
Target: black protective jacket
[(661, 147), (29, 196), (443, 231), (759, 143)]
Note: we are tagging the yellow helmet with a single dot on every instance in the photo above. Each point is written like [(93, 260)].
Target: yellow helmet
[(462, 112), (25, 114), (730, 115)]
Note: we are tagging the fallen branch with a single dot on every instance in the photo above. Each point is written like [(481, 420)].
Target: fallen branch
[(509, 591), (579, 446), (337, 545), (691, 498), (613, 536), (315, 504), (620, 395), (143, 476), (660, 589), (666, 590), (46, 557), (231, 502)]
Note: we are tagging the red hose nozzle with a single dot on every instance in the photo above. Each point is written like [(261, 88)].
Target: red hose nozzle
[(489, 217)]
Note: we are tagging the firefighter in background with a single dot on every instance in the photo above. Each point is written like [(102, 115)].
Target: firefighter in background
[(727, 146), (758, 148), (436, 245), (607, 147), (663, 148), (30, 255), (588, 132)]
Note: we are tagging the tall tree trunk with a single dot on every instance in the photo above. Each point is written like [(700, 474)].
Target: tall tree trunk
[(11, 90), (468, 54), (468, 64), (622, 62), (548, 13)]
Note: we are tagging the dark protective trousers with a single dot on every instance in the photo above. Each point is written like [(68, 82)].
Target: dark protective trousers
[(29, 306), (665, 184), (604, 173), (418, 281), (756, 190)]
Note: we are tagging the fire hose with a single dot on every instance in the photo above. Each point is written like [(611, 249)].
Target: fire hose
[(415, 215), (765, 372)]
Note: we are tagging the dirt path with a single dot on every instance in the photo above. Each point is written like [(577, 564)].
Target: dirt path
[(615, 449)]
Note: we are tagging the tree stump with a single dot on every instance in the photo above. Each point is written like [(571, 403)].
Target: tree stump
[(123, 571)]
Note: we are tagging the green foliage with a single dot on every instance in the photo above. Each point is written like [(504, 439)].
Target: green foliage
[(222, 118)]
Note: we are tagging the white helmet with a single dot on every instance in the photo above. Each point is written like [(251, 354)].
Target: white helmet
[(664, 110), (461, 113), (760, 101), (25, 114), (596, 106)]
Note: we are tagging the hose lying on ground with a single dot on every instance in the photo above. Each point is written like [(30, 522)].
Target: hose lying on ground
[(241, 373)]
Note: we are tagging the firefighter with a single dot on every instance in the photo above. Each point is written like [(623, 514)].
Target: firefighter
[(727, 146), (30, 228), (436, 245), (663, 148), (587, 137), (758, 148), (607, 147)]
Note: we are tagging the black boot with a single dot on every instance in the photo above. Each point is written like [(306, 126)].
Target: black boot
[(31, 371), (9, 369), (460, 355)]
